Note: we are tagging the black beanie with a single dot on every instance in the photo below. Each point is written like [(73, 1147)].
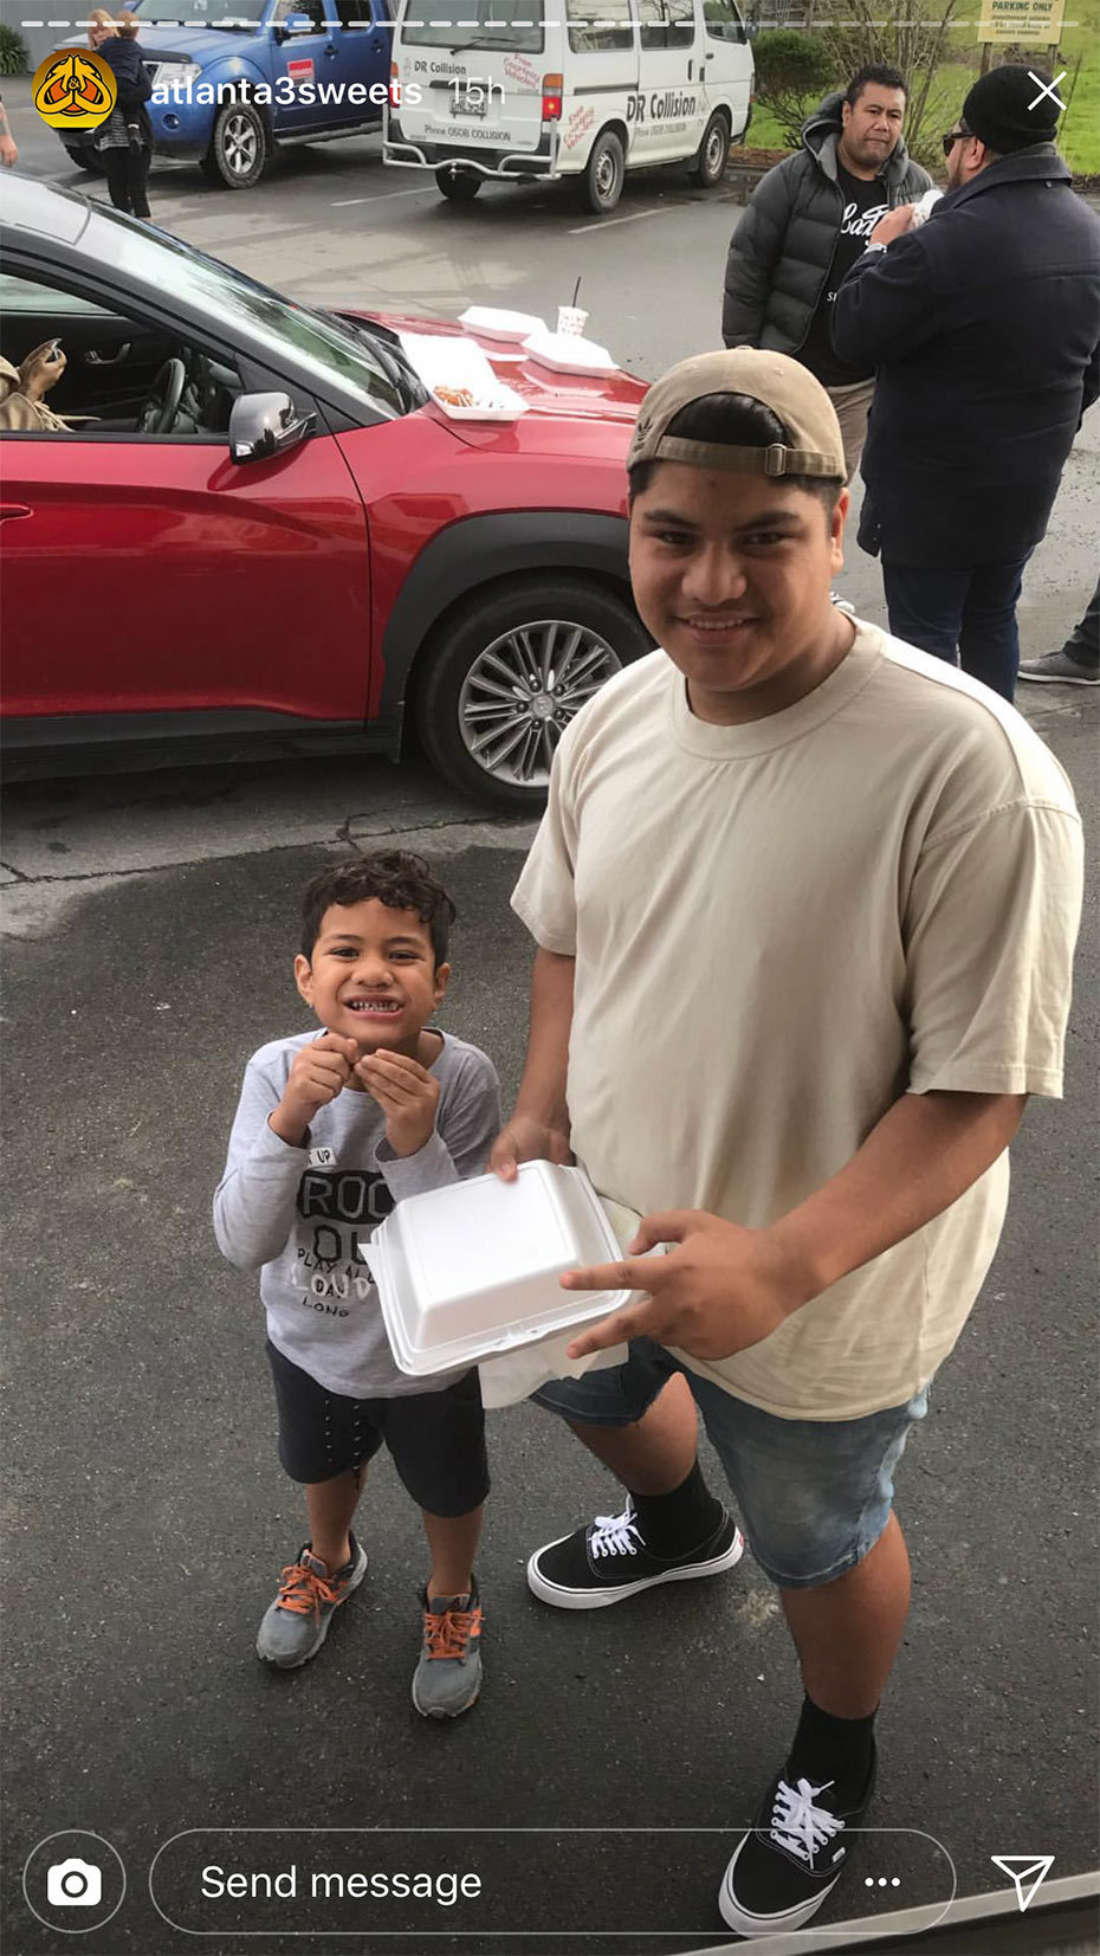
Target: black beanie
[(998, 109)]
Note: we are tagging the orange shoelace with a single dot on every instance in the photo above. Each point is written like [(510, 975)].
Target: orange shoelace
[(448, 1633), (302, 1591)]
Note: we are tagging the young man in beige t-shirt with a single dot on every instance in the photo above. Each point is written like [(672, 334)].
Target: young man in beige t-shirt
[(829, 889)]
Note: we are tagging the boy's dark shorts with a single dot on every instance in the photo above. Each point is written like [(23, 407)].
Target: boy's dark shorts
[(436, 1439)]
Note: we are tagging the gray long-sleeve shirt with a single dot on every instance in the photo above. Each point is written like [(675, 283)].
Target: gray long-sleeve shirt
[(303, 1216)]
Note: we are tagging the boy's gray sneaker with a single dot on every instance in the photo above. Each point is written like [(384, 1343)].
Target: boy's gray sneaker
[(448, 1677), (296, 1624), (1059, 668)]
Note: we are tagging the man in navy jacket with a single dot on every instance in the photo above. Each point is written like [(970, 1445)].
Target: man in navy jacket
[(983, 326)]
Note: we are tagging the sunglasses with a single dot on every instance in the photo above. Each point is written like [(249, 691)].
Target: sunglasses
[(952, 137)]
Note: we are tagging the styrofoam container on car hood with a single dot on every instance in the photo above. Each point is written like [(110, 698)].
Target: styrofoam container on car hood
[(612, 398), (470, 1271)]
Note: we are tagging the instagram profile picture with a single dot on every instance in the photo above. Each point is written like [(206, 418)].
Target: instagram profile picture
[(74, 1881), (74, 89)]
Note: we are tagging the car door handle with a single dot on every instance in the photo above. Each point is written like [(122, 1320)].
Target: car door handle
[(330, 51), (95, 359), (14, 509)]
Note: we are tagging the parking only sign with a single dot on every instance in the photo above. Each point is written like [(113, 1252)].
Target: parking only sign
[(1034, 23)]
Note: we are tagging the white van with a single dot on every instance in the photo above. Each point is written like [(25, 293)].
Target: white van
[(532, 90)]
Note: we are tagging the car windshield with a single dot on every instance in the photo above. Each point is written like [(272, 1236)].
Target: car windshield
[(320, 343), (201, 13), (511, 25)]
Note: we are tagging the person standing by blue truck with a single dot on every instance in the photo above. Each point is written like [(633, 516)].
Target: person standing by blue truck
[(260, 74), (125, 141)]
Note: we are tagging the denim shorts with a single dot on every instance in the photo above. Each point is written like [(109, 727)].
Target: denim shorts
[(814, 1495)]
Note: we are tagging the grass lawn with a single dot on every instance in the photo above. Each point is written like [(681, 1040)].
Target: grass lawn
[(1079, 128)]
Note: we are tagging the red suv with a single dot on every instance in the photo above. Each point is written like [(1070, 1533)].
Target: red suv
[(258, 524)]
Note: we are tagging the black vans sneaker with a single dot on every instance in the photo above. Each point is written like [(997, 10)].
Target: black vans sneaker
[(609, 1560), (792, 1859)]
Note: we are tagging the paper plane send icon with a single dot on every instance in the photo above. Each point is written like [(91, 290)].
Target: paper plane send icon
[(1027, 1871)]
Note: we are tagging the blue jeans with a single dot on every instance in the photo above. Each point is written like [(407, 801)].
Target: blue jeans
[(967, 617), (814, 1495)]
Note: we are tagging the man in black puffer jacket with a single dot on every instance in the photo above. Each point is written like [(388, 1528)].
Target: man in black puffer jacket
[(984, 329), (807, 222)]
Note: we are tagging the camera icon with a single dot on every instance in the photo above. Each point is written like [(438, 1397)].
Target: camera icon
[(74, 1884)]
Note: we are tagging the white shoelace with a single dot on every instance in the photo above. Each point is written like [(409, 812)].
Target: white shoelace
[(616, 1534), (797, 1824)]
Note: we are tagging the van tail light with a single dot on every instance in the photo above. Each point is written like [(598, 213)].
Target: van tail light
[(551, 98), (395, 86)]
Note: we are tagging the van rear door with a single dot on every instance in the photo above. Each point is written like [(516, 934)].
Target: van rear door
[(669, 115), (478, 65), (728, 61), (600, 64)]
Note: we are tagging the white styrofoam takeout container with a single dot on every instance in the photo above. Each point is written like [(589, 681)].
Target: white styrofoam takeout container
[(495, 323), (568, 353), (469, 1271)]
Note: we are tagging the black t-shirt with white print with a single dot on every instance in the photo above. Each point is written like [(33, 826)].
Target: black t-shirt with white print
[(864, 203)]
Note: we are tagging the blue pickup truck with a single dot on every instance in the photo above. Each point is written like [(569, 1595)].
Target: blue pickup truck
[(233, 80)]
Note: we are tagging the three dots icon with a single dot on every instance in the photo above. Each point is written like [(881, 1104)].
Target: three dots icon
[(882, 1882)]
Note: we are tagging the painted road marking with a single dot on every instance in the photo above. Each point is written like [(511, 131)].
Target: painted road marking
[(605, 223), (344, 203)]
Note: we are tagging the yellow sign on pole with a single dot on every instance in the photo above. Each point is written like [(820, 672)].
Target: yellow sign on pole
[(1032, 23)]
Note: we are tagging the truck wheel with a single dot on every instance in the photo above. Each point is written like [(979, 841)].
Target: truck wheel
[(86, 158), (501, 681), (709, 166), (604, 173), (240, 147), (458, 186)]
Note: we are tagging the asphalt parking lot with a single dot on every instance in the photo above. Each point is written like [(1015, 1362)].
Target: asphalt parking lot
[(147, 1515)]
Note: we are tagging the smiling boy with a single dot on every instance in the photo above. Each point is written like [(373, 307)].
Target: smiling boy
[(829, 888), (329, 1134)]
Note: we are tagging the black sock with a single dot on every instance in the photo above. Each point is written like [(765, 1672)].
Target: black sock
[(674, 1524), (830, 1748)]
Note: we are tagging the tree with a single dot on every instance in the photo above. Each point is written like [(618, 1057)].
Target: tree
[(793, 71), (13, 51), (915, 40)]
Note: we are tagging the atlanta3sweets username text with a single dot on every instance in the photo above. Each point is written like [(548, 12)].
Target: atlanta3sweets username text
[(287, 92)]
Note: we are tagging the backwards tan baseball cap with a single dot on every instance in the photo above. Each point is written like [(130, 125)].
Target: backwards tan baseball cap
[(777, 382)]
